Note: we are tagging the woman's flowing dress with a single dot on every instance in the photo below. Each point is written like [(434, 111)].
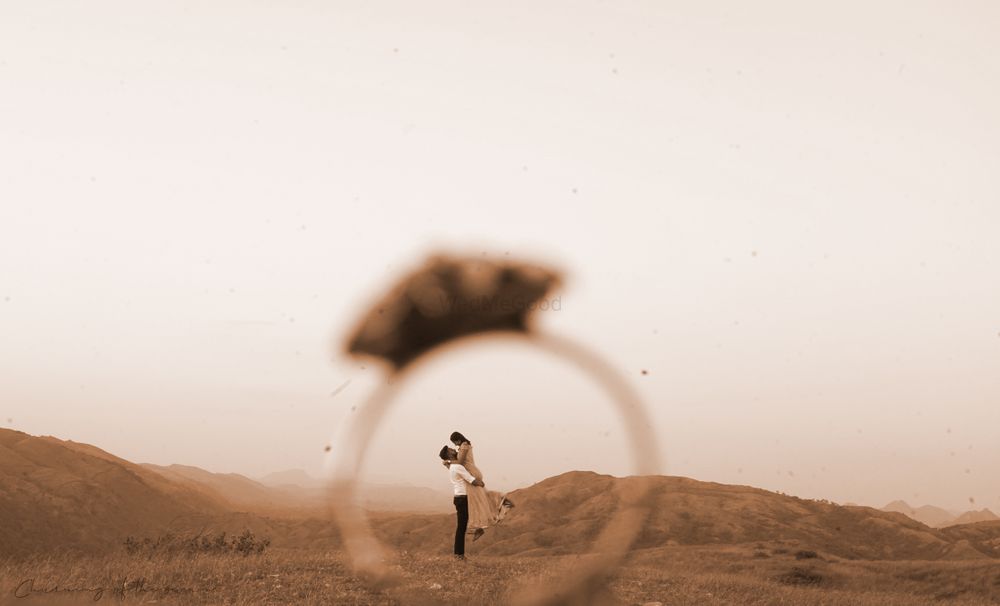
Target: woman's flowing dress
[(486, 507)]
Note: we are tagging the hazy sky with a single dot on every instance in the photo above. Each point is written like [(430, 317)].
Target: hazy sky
[(787, 214)]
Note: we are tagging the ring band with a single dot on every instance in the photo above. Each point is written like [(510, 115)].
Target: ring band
[(578, 585)]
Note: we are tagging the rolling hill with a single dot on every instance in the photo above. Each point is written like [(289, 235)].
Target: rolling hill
[(57, 494), (561, 515), (972, 517), (63, 495), (70, 496)]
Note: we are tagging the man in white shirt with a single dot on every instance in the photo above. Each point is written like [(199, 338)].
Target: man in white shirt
[(460, 478)]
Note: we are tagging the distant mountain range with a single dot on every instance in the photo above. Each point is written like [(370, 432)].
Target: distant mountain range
[(935, 517), (291, 477), (294, 493), (300, 487), (63, 495)]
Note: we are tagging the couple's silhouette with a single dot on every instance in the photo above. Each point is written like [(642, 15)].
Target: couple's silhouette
[(476, 508)]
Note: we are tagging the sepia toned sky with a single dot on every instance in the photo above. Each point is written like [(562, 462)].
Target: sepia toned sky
[(787, 215)]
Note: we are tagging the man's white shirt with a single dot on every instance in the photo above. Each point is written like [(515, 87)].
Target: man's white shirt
[(459, 477)]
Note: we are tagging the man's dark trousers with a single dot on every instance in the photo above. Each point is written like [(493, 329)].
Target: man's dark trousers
[(462, 512)]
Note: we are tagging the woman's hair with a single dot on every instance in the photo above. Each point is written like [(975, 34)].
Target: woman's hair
[(458, 438)]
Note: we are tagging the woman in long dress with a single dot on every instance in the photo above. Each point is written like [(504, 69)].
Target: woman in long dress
[(486, 507)]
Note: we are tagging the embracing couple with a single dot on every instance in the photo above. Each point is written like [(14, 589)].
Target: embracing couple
[(475, 507)]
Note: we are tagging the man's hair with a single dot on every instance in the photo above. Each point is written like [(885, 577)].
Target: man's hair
[(444, 453)]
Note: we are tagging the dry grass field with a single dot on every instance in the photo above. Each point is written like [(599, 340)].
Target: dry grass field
[(741, 575)]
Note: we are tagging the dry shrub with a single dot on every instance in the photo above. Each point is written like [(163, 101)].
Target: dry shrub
[(801, 576), (169, 544)]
